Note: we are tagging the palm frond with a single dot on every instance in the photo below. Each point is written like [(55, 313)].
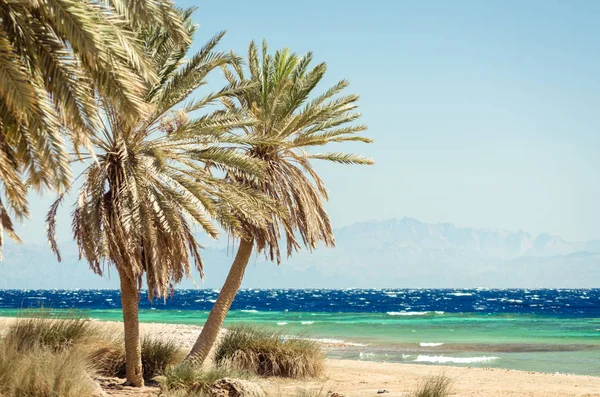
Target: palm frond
[(57, 57), (288, 120), (153, 184)]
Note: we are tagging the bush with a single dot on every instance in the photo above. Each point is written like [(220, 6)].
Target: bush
[(55, 334), (40, 331), (186, 380), (107, 356), (45, 373), (434, 386), (267, 353), (158, 356)]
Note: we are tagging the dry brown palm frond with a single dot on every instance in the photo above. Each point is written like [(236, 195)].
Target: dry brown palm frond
[(151, 187)]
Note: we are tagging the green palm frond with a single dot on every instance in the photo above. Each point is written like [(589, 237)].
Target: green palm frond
[(289, 120), (57, 57)]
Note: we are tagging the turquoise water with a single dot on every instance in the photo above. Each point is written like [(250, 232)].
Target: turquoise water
[(515, 341), (545, 330)]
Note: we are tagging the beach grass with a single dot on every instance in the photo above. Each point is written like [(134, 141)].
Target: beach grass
[(44, 355), (158, 356), (196, 382), (267, 352), (40, 330), (48, 356), (42, 372), (315, 392), (434, 386)]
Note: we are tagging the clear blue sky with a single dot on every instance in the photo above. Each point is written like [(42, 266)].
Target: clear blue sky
[(485, 114)]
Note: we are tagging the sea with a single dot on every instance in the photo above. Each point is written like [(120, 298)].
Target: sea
[(546, 330)]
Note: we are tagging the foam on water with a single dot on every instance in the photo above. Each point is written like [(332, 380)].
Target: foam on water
[(430, 344), (407, 313), (454, 360)]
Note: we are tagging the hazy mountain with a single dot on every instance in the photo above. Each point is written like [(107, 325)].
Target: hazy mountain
[(373, 254)]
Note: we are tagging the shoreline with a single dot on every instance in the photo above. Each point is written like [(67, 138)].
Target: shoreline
[(365, 378)]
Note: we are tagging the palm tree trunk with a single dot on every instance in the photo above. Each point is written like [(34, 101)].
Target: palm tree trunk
[(214, 323), (130, 297)]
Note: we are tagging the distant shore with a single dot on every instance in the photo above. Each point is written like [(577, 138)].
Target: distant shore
[(364, 378)]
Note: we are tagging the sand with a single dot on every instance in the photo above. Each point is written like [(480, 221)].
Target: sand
[(364, 378)]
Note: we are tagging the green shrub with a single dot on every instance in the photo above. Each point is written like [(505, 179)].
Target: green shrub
[(186, 380), (267, 353), (42, 372), (108, 356), (434, 386), (56, 334), (158, 356)]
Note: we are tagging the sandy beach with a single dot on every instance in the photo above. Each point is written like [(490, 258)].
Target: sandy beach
[(364, 378)]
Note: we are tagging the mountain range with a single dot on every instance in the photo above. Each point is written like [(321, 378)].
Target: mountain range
[(394, 253)]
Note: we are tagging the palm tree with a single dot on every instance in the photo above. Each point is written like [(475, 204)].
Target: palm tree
[(150, 183), (280, 102), (54, 54)]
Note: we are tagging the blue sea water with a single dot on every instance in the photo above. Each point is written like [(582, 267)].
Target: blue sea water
[(543, 330)]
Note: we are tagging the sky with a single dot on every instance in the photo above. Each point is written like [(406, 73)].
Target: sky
[(484, 114)]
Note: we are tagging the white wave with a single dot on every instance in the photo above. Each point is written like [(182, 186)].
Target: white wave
[(354, 344), (407, 313), (249, 311), (461, 294), (413, 313), (281, 323), (338, 341), (327, 340), (457, 360), (307, 322), (212, 300), (430, 344)]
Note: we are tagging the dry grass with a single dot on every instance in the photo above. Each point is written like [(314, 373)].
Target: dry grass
[(266, 353), (434, 386), (158, 356), (312, 392), (41, 372), (40, 330), (44, 356)]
